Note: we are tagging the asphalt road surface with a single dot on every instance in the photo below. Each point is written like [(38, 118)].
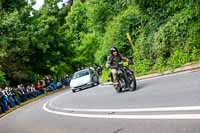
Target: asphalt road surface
[(166, 104)]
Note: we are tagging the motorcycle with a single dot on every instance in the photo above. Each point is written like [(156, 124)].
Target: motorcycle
[(126, 78)]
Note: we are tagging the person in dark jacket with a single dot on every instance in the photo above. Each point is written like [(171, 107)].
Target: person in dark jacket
[(14, 95), (20, 91), (2, 105), (8, 93), (4, 99), (112, 62)]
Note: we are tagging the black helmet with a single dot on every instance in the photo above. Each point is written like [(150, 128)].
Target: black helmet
[(113, 49)]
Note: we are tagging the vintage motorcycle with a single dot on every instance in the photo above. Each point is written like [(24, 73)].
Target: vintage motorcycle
[(125, 76)]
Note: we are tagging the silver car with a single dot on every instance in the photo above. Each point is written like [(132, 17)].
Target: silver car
[(83, 79)]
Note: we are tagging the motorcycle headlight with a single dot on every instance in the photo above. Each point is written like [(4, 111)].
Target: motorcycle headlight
[(125, 63)]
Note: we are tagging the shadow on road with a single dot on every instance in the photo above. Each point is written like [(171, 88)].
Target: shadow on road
[(118, 130), (142, 85)]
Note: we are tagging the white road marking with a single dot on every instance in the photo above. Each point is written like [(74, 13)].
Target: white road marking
[(111, 116), (106, 116), (56, 97), (160, 109)]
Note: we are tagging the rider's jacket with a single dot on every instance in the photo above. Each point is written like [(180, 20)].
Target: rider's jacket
[(112, 61)]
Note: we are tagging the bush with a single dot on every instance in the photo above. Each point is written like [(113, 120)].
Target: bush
[(142, 66), (178, 58), (2, 78), (105, 75), (116, 33), (195, 56), (160, 64)]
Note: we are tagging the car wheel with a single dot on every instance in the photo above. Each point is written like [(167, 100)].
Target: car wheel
[(93, 83)]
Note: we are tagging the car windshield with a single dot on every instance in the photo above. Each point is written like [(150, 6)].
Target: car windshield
[(80, 74)]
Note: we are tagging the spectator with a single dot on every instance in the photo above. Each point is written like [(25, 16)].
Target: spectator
[(39, 87), (43, 83), (2, 105), (9, 95), (28, 92), (66, 80), (10, 100), (14, 96), (5, 99), (59, 85), (46, 81), (21, 93), (52, 86), (34, 91)]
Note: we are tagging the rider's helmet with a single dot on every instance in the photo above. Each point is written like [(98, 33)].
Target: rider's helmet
[(113, 49)]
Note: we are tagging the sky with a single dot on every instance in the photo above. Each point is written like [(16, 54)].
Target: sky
[(39, 3)]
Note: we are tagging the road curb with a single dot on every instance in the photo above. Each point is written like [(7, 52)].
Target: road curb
[(187, 67)]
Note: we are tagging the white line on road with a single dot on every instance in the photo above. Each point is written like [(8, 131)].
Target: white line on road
[(80, 112), (161, 109), (106, 116), (158, 109)]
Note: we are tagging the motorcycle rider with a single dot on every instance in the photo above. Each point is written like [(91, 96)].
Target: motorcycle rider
[(112, 62)]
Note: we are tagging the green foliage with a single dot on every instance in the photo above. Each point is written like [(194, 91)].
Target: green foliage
[(30, 46), (98, 16), (166, 34), (160, 64), (88, 47), (151, 5), (105, 75), (10, 5), (60, 70), (142, 66), (2, 78), (76, 22), (116, 33), (195, 56), (173, 34), (178, 58)]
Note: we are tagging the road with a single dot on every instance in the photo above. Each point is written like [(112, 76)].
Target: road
[(166, 104)]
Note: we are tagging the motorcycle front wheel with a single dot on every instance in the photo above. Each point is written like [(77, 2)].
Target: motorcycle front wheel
[(121, 84)]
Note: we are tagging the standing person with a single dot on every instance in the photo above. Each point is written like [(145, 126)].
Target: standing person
[(112, 62)]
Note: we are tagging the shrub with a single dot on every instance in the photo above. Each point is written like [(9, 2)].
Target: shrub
[(178, 58), (2, 78), (105, 75)]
